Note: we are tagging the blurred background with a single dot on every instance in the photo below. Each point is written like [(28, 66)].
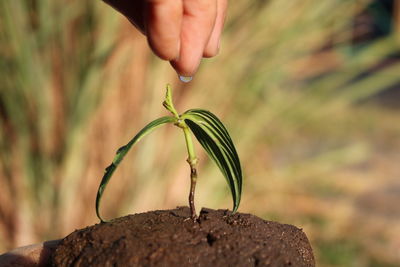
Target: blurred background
[(310, 91)]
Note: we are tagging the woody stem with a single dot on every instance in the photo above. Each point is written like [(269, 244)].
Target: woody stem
[(192, 160)]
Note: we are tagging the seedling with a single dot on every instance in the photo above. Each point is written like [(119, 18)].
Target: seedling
[(211, 134)]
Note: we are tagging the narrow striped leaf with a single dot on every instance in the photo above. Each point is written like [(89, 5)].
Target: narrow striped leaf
[(122, 151), (215, 139)]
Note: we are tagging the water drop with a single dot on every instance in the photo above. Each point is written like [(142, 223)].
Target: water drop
[(185, 79)]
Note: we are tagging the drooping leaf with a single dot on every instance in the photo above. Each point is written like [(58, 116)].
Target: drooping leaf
[(122, 151), (215, 139)]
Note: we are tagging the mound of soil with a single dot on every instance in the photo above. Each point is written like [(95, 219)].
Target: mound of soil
[(170, 238)]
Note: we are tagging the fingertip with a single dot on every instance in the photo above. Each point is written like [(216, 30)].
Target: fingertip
[(213, 46), (211, 50), (162, 51), (185, 69)]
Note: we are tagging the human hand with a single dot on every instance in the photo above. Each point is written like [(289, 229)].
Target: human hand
[(181, 31), (38, 255)]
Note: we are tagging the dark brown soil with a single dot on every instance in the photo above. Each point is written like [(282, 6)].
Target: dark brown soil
[(170, 238)]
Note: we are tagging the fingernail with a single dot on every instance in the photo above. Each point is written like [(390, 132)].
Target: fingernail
[(185, 79)]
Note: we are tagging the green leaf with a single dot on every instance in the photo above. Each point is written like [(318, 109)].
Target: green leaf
[(122, 151), (215, 139)]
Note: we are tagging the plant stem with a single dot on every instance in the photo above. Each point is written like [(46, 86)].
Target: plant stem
[(192, 160), (193, 180)]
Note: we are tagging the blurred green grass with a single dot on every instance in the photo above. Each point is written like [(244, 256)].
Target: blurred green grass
[(77, 81)]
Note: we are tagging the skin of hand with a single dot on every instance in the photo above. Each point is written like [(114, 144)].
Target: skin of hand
[(180, 31), (38, 255)]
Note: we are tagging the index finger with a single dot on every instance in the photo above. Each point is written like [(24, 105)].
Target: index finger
[(198, 22), (163, 26)]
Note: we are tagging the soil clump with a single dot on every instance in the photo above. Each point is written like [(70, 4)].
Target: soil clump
[(171, 238)]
